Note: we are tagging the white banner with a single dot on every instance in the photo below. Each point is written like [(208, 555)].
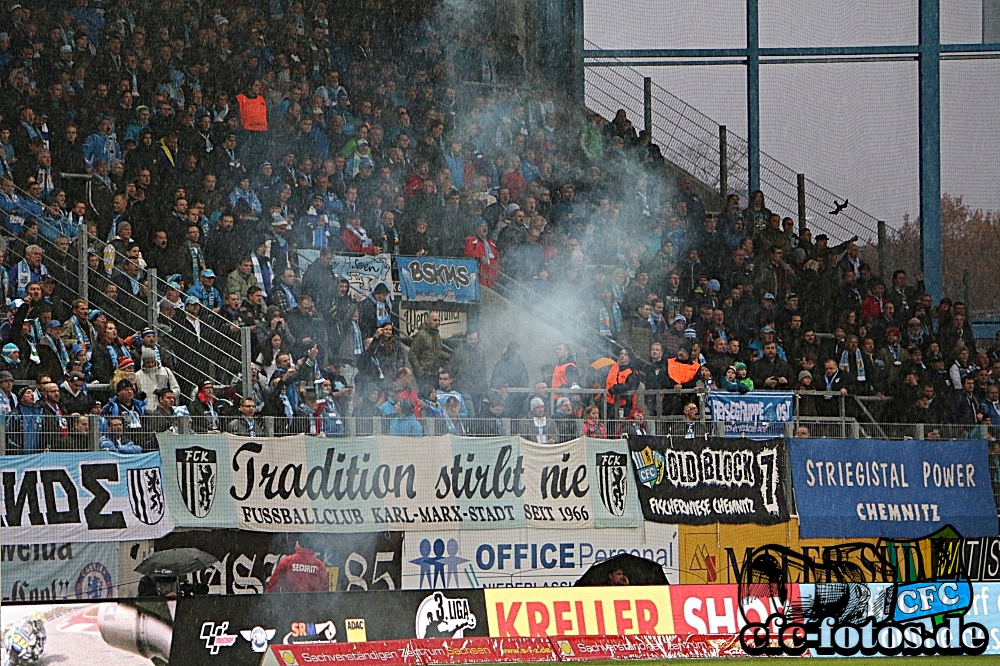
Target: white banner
[(528, 557), (82, 497)]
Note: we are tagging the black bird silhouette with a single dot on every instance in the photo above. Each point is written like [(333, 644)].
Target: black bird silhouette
[(837, 207)]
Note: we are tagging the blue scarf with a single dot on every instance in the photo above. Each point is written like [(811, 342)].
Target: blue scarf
[(845, 364)]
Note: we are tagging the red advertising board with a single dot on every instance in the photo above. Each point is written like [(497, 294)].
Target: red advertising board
[(416, 652), (371, 653), (606, 648), (714, 609)]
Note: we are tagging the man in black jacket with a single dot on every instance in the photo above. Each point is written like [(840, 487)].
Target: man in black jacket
[(966, 408), (770, 372), (246, 424), (656, 378), (833, 380)]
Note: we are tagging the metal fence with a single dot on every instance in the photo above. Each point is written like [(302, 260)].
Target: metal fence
[(25, 434)]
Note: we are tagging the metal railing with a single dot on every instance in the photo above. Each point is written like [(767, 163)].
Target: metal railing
[(691, 140), (663, 408), (136, 312)]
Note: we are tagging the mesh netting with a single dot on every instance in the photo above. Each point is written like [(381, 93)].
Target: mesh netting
[(793, 23), (852, 128), (970, 140), (651, 24), (690, 139)]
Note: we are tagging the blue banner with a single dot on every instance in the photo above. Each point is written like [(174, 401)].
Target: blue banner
[(756, 415), (47, 572), (439, 279), (879, 488)]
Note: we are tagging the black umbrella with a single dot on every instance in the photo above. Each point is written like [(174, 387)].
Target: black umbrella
[(639, 571), (176, 562)]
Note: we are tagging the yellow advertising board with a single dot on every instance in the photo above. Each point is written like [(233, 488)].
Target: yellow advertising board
[(579, 611)]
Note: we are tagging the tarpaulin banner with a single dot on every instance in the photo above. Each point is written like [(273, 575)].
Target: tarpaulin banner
[(364, 272), (47, 572), (439, 279), (608, 648), (528, 557), (981, 558), (756, 415), (81, 497), (122, 633), (580, 611), (371, 484), (418, 652), (713, 480), (238, 630), (880, 488), (718, 553), (367, 561)]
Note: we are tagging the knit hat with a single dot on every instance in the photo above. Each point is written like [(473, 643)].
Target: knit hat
[(713, 285), (739, 365), (122, 385), (536, 402), (148, 354), (804, 374), (125, 361)]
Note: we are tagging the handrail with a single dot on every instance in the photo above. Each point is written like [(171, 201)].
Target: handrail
[(139, 311), (546, 309), (699, 155)]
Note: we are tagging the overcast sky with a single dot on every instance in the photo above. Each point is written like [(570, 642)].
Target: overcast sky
[(849, 127)]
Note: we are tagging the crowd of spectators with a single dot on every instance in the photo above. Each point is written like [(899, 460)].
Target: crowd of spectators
[(220, 141)]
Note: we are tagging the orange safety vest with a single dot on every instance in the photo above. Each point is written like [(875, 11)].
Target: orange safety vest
[(253, 113), (682, 373), (559, 376), (617, 376)]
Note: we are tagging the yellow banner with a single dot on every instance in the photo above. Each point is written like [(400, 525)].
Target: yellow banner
[(716, 553), (579, 611)]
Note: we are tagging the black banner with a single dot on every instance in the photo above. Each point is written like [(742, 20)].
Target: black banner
[(715, 480), (235, 631), (981, 557), (355, 562)]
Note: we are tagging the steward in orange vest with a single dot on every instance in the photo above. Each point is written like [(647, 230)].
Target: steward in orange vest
[(565, 374), (622, 381), (682, 369), (253, 110)]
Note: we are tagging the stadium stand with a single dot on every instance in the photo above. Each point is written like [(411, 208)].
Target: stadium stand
[(187, 154)]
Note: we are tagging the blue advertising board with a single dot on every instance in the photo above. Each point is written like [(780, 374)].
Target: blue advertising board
[(879, 488), (438, 279), (757, 415), (986, 611)]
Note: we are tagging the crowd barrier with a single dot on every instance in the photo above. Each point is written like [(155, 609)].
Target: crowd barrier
[(445, 536), (460, 512), (487, 626)]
